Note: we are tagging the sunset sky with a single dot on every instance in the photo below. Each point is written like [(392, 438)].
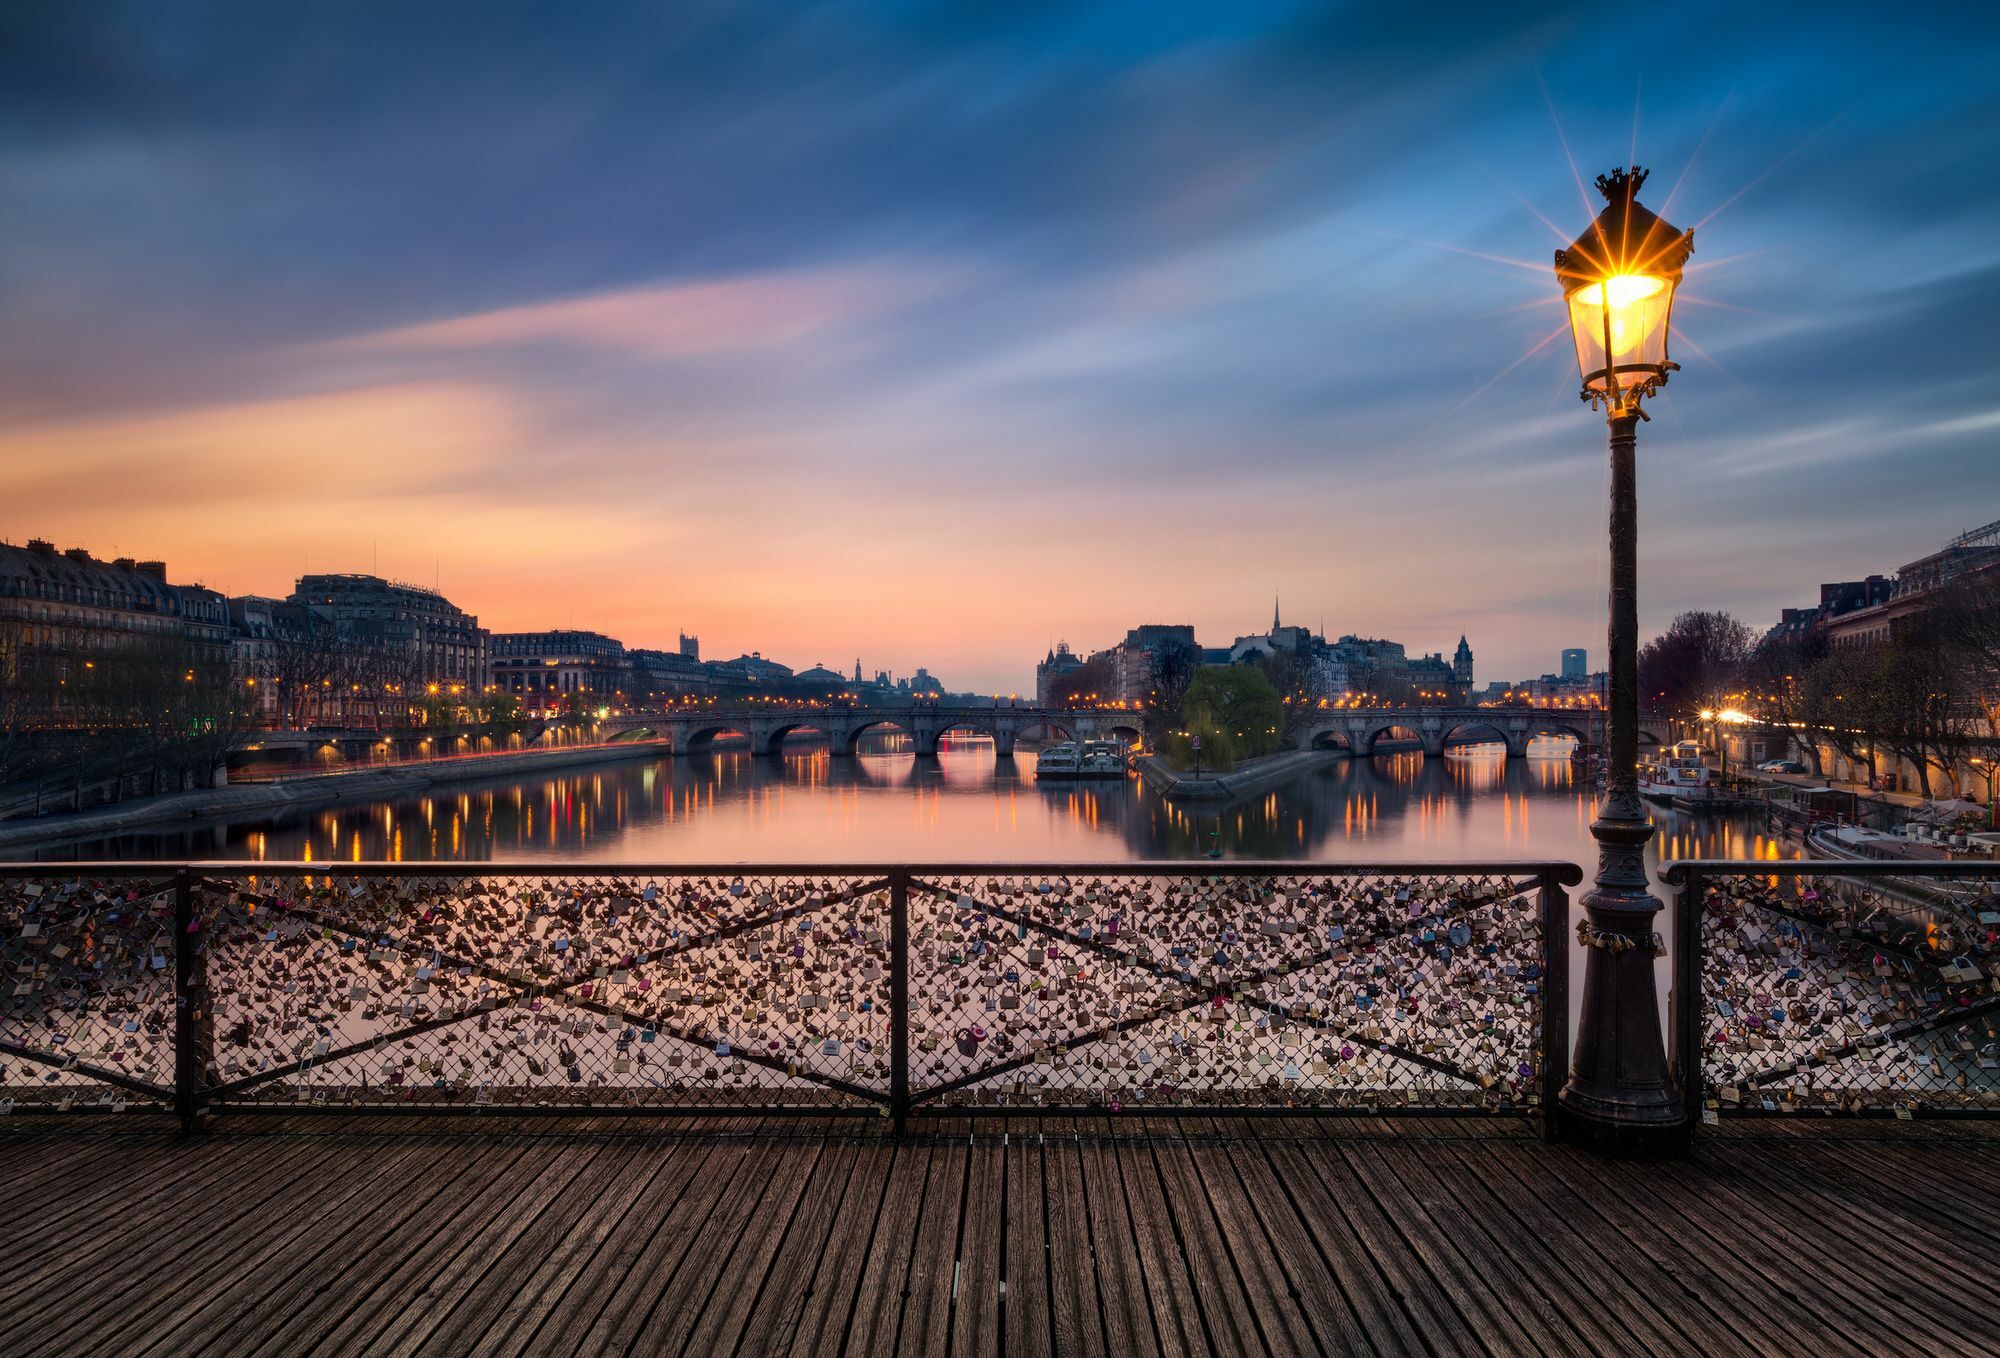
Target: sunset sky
[(930, 334)]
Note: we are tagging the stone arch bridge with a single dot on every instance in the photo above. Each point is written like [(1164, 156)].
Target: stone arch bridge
[(693, 731), (1357, 730)]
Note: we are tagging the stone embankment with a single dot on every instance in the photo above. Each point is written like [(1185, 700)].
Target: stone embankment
[(1251, 778), (375, 783)]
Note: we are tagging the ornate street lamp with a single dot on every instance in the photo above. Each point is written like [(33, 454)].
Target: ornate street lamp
[(1618, 281)]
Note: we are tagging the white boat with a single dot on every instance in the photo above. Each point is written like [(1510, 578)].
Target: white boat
[(1059, 761), (1677, 772), (1091, 759)]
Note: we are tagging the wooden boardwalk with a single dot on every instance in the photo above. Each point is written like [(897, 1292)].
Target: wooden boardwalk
[(1162, 1236)]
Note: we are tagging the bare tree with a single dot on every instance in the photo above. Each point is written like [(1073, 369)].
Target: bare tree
[(1694, 664)]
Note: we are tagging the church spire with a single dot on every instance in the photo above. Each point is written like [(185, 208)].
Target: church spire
[(1275, 624)]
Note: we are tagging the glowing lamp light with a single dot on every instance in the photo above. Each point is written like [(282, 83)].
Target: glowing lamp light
[(1618, 279)]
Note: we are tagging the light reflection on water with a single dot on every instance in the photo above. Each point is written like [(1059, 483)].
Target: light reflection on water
[(966, 806)]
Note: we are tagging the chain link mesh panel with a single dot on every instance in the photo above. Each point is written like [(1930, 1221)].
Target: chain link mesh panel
[(1852, 994), (1119, 990), (583, 989), (86, 989)]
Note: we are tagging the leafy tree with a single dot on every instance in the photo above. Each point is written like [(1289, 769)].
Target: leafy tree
[(1235, 710)]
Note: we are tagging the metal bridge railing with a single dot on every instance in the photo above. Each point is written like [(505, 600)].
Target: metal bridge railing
[(1240, 987), (1837, 987)]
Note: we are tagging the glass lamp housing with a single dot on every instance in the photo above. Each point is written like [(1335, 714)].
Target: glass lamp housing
[(1618, 280)]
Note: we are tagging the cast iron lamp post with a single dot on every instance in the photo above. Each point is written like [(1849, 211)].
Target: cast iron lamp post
[(1618, 281)]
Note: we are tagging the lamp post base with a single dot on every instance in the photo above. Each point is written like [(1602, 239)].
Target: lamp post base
[(1621, 1098)]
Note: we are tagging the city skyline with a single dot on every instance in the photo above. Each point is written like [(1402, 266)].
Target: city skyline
[(836, 332)]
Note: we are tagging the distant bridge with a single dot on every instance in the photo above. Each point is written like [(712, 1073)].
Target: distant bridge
[(1356, 730), (766, 727)]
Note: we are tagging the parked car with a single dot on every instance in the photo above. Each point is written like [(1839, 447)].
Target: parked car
[(1781, 766), (1885, 782)]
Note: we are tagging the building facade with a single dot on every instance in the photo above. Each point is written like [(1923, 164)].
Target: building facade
[(62, 612), (546, 670), (422, 638)]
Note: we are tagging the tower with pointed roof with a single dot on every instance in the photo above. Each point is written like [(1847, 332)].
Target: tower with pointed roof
[(1461, 663)]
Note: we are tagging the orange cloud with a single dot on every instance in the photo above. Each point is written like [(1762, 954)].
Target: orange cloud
[(676, 320)]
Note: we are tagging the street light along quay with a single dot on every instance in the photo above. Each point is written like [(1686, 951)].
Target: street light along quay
[(1618, 280)]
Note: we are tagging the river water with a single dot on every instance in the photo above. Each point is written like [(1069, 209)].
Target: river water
[(963, 806)]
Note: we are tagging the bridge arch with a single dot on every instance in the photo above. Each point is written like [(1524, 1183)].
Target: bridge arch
[(1479, 730), (1576, 731), (700, 737), (849, 740), (772, 741)]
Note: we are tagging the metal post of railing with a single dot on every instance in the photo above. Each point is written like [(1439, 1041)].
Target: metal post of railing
[(1684, 1017), (899, 997), (1555, 993), (190, 1002)]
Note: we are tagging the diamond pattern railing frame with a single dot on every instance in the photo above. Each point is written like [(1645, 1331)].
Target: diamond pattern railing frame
[(88, 984), (1753, 1037), (1206, 950), (776, 988)]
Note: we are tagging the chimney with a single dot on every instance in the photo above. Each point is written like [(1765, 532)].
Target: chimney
[(41, 546), (124, 563), (156, 569), (78, 554)]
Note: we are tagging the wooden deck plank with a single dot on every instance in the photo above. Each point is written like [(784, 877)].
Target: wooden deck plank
[(1229, 1314), (1177, 1321), (1496, 1277), (925, 1325), (833, 1291), (142, 1187), (1876, 1290), (513, 1235), (773, 1318), (107, 1239), (1124, 1235), (390, 1277), (1075, 1313), (1786, 1230), (1485, 1319), (1336, 1207), (677, 1241), (1290, 1200), (1024, 1302), (1123, 1289), (1904, 1221), (878, 1302), (1769, 1260), (1266, 1265), (601, 1265), (738, 1242), (580, 1220), (976, 1301), (1701, 1311), (182, 1320), (1561, 1263), (1652, 1216), (1332, 1326), (1489, 1238)]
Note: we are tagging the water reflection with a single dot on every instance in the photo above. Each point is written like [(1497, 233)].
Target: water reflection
[(964, 805)]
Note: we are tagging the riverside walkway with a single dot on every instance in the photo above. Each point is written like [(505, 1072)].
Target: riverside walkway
[(498, 1235)]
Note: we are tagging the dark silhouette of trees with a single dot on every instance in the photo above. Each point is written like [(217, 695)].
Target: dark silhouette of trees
[(1694, 664)]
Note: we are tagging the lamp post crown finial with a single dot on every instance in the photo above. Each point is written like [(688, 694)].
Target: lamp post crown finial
[(1621, 183)]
